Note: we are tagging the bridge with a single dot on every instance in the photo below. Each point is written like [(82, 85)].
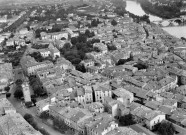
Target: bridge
[(171, 22)]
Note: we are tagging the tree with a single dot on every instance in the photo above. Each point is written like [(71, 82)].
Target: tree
[(38, 90), (96, 49), (18, 92), (141, 66), (8, 95), (74, 40), (37, 33), (95, 41), (111, 47), (34, 125), (76, 61), (145, 18), (28, 104), (34, 101), (7, 88), (28, 28), (81, 68), (37, 56), (82, 39), (44, 115), (126, 120), (43, 131), (87, 33), (123, 61), (113, 22), (32, 80), (182, 38), (60, 125), (18, 82), (166, 128), (94, 23), (28, 117), (63, 38)]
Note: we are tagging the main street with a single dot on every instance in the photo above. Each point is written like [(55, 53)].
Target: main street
[(20, 108)]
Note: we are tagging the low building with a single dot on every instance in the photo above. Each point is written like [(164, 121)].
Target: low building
[(123, 131), (73, 117), (15, 124), (26, 92), (101, 125), (30, 66), (102, 47), (80, 95), (153, 118), (101, 92), (124, 96), (88, 94), (44, 52), (6, 75), (6, 107), (54, 36), (10, 42), (88, 63), (55, 53), (60, 43), (64, 64), (42, 105), (111, 106), (96, 107)]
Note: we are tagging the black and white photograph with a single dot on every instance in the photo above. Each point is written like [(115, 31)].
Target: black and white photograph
[(92, 67)]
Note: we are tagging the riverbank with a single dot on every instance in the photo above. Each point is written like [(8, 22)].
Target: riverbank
[(121, 10), (166, 12), (119, 3), (135, 8)]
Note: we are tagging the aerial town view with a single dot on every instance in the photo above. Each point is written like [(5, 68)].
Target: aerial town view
[(92, 67)]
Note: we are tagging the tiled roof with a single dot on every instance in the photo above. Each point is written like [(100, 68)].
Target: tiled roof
[(153, 104), (80, 92), (15, 124), (5, 104), (77, 116), (150, 116)]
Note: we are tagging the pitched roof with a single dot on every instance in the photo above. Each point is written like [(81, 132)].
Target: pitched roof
[(141, 129), (77, 116), (153, 104)]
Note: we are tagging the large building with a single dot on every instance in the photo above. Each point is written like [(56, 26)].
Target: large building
[(30, 66), (15, 124), (100, 125), (6, 75), (6, 107)]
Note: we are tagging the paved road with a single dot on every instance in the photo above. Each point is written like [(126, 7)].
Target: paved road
[(22, 110)]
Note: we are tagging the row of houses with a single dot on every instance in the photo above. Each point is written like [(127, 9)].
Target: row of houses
[(12, 122)]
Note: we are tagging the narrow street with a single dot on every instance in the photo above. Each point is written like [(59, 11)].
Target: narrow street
[(23, 110)]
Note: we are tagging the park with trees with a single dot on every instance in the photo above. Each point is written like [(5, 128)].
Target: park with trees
[(18, 94), (60, 125), (126, 120), (75, 53), (36, 86), (56, 122), (30, 119), (165, 128), (37, 56)]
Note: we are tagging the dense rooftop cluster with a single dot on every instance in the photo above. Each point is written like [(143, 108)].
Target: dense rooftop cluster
[(101, 73)]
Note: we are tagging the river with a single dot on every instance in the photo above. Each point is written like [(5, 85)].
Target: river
[(135, 8)]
